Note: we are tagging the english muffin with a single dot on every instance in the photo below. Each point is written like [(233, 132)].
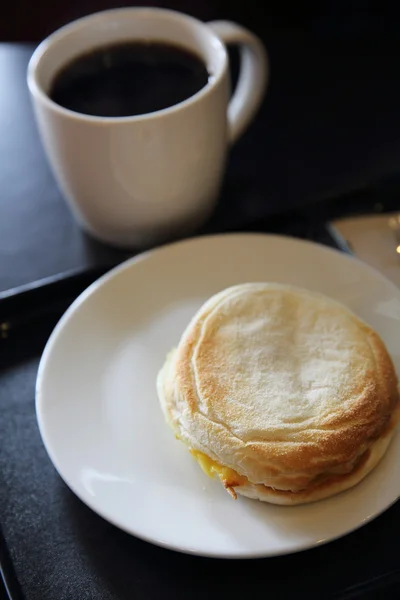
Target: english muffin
[(282, 393)]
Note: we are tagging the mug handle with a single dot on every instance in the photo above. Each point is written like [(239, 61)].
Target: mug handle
[(253, 75)]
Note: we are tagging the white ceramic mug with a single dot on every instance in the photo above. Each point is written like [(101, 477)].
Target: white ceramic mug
[(133, 181)]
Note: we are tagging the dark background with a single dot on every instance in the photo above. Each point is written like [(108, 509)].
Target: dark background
[(31, 21)]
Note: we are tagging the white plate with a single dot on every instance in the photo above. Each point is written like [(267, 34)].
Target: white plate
[(100, 419)]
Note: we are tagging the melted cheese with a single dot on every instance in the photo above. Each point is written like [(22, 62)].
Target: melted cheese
[(228, 476)]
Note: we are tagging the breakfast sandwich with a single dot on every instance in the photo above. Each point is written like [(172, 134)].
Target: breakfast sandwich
[(282, 394)]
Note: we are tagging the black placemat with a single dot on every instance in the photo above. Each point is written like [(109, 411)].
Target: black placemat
[(62, 550)]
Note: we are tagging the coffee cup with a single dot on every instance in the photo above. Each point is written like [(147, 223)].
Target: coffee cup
[(136, 180)]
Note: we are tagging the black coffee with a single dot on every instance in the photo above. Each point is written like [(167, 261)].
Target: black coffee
[(129, 78)]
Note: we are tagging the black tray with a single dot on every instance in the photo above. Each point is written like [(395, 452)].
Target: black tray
[(53, 547)]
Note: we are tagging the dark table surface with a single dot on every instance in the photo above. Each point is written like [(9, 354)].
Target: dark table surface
[(330, 122)]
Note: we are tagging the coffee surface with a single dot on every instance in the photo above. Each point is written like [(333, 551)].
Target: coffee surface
[(130, 78)]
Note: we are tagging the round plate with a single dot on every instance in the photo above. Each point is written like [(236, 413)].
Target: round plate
[(99, 414)]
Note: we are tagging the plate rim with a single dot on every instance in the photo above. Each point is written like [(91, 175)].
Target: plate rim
[(92, 289)]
